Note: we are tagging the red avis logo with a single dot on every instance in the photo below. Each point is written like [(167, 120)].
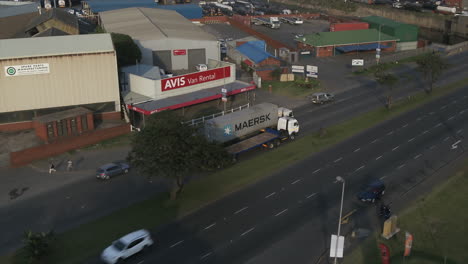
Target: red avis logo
[(194, 78), (174, 83)]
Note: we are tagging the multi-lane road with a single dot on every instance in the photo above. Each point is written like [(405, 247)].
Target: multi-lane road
[(288, 218)]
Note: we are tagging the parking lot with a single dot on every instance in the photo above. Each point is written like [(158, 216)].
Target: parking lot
[(224, 31)]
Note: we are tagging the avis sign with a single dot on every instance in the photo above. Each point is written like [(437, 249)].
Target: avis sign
[(194, 78), (27, 69)]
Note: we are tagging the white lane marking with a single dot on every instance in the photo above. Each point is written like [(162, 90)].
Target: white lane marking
[(459, 131), (438, 125), (418, 119), (240, 210), (454, 101), (450, 118), (395, 148), (417, 156), (310, 195), (315, 171), (411, 139), (432, 147), (206, 255), (405, 125), (379, 157), (271, 194), (296, 181), (443, 107), (356, 150), (425, 131), (389, 133), (383, 177), (445, 139), (375, 140), (340, 158), (431, 113), (210, 226), (176, 244), (281, 212), (401, 166), (246, 232), (462, 111), (141, 262), (360, 168)]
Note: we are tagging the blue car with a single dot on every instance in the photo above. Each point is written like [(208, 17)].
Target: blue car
[(107, 171), (372, 191)]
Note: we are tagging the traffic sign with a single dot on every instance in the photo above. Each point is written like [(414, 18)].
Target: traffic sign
[(357, 62)]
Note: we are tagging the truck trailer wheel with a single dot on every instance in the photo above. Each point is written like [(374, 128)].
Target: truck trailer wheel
[(271, 145), (277, 142), (292, 136)]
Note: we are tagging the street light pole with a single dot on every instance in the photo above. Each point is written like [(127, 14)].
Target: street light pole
[(339, 179)]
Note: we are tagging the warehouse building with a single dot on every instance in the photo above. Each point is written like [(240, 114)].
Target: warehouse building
[(326, 44), (58, 86), (406, 34), (166, 39)]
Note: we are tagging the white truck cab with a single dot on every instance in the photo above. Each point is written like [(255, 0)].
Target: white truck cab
[(283, 111), (288, 124)]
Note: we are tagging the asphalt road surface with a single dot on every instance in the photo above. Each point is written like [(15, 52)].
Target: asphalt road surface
[(86, 200), (288, 218)]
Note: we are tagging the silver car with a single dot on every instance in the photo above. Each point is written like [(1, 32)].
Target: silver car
[(107, 171), (320, 98)]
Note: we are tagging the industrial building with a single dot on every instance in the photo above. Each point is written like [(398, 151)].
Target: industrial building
[(326, 44), (147, 92), (58, 85), (165, 38), (406, 34)]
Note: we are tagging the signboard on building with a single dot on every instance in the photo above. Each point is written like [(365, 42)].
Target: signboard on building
[(297, 68), (194, 78), (312, 71), (357, 63), (27, 69), (179, 52)]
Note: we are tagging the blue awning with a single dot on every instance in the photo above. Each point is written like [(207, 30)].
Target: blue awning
[(371, 46)]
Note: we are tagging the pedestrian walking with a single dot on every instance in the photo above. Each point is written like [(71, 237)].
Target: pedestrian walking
[(52, 168), (69, 165)]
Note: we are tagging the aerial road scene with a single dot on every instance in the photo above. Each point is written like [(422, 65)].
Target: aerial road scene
[(233, 132)]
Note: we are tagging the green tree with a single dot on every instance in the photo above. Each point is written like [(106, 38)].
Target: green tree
[(276, 73), (37, 244), (127, 51), (388, 80), (168, 148), (432, 65)]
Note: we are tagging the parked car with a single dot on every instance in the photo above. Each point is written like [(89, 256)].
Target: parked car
[(372, 191), (107, 171), (320, 98), (127, 246)]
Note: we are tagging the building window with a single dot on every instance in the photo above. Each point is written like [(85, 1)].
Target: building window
[(84, 122), (73, 127), (50, 130), (62, 128)]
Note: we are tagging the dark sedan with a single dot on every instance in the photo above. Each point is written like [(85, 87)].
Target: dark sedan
[(107, 171)]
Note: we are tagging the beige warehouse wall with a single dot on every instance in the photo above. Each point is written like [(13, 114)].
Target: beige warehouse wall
[(73, 80)]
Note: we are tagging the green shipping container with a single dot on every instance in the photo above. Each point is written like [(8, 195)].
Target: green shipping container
[(402, 31)]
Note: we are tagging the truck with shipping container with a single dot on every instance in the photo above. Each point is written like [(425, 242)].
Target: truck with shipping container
[(271, 22), (292, 20), (262, 125)]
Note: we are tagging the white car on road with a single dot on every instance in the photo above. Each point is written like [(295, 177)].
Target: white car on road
[(127, 246)]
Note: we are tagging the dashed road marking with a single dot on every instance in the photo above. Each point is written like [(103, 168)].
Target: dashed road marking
[(401, 166), (411, 139), (141, 262), (395, 148), (432, 147), (375, 140), (425, 131), (360, 168), (271, 194), (310, 195), (450, 118), (296, 181), (176, 244), (383, 177), (447, 138), (459, 131), (418, 119), (389, 133), (315, 171), (462, 111), (431, 113), (417, 156), (338, 159), (240, 210), (443, 107), (379, 157), (206, 255), (246, 232), (405, 125), (438, 125), (210, 226), (356, 150), (281, 212)]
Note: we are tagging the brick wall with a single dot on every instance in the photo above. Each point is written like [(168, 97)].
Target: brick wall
[(26, 156), (268, 62), (16, 126), (265, 75)]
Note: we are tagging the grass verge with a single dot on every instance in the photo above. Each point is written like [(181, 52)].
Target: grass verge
[(387, 65), (112, 142), (87, 240), (438, 224), (298, 88)]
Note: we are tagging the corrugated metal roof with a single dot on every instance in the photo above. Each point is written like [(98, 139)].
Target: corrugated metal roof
[(344, 37), (53, 13), (404, 32), (152, 24), (18, 8), (11, 26), (51, 32), (254, 51), (144, 70), (53, 46)]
